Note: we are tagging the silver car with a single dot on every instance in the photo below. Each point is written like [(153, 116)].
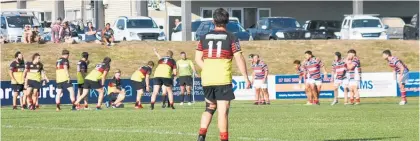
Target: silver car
[(396, 27)]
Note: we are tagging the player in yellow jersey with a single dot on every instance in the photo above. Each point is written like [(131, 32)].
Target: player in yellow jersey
[(214, 56), (34, 73), (16, 75), (63, 79), (164, 93), (140, 82), (82, 67), (165, 69), (96, 80), (186, 70)]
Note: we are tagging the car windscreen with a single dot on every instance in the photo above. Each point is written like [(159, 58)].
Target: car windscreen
[(142, 23), (283, 23), (19, 21), (234, 27), (195, 25), (366, 23)]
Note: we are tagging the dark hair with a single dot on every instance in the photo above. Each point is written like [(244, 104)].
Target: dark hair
[(107, 24), (85, 55), (387, 52), (65, 52), (150, 63), (338, 54), (17, 54), (107, 60), (170, 53), (309, 52), (297, 62), (352, 51), (220, 17), (34, 56), (118, 71), (182, 53), (59, 18)]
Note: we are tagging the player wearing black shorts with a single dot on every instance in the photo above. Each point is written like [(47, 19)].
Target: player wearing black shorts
[(63, 79), (116, 94), (185, 73), (140, 82), (34, 73), (17, 67), (214, 55), (82, 67)]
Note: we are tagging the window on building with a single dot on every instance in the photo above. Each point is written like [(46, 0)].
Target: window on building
[(73, 15), (207, 13), (237, 14), (264, 12)]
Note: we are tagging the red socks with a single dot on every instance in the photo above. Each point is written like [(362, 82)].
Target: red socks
[(403, 96), (358, 100), (202, 132), (351, 100), (224, 136)]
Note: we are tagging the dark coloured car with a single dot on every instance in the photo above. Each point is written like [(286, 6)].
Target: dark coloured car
[(323, 29), (411, 31), (232, 27), (278, 28)]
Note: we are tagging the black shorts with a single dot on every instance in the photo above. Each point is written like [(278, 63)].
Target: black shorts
[(113, 96), (34, 84), (89, 84), (221, 92), (185, 80), (64, 85), (17, 87), (80, 86), (138, 85), (163, 81)]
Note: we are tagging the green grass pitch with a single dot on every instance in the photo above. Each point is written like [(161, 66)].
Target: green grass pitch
[(374, 119)]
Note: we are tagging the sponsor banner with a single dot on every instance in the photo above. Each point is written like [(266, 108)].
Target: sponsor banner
[(241, 93), (412, 87), (375, 85), (287, 87), (48, 93)]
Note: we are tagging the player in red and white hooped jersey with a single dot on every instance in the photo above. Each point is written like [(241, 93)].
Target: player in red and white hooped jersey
[(302, 77), (339, 74), (313, 67), (401, 70), (355, 70), (259, 80)]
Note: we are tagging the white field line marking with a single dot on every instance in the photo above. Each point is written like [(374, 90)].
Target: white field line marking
[(161, 132)]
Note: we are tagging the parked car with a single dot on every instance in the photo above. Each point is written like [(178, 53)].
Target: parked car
[(363, 27), (323, 29), (137, 28), (13, 21), (411, 31), (177, 34), (232, 27), (278, 28), (395, 27)]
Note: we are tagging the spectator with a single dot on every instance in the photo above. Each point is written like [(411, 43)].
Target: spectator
[(65, 33), (178, 26), (108, 35), (35, 35), (90, 32), (27, 34), (55, 31)]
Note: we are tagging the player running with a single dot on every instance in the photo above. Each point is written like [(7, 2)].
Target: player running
[(355, 70), (96, 80), (116, 94), (186, 70), (163, 76), (17, 67), (34, 73), (339, 70), (63, 79), (214, 55), (313, 67), (82, 67), (401, 70), (259, 81), (140, 82), (302, 77)]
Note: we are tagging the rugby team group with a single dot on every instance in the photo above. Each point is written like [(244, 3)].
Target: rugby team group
[(214, 55)]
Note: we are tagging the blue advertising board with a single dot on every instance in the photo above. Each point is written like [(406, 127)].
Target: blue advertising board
[(287, 87), (412, 86)]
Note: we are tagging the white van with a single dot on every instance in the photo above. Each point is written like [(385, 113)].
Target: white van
[(13, 22), (363, 27), (137, 28)]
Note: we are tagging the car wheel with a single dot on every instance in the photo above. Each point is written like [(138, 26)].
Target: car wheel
[(404, 37), (271, 38)]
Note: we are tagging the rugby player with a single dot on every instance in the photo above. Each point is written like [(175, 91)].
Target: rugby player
[(401, 70), (164, 93), (313, 67), (355, 70), (302, 75), (82, 67), (339, 78), (17, 67), (165, 69), (63, 79), (140, 81), (34, 73), (185, 73), (259, 80), (96, 80), (116, 93), (214, 55)]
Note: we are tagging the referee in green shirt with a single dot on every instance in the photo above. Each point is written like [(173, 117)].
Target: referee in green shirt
[(185, 71)]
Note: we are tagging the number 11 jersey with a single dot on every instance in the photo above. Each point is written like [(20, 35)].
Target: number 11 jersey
[(218, 49)]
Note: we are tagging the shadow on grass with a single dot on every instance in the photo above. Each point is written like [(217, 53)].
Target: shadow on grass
[(365, 139)]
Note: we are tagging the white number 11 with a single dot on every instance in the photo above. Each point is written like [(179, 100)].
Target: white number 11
[(219, 48)]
